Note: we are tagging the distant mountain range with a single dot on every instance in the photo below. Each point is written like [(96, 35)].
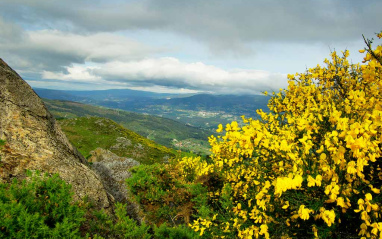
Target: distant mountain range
[(200, 110), (99, 95)]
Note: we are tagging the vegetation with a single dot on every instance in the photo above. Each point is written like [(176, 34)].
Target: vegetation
[(88, 133), (201, 110), (310, 168), (161, 130), (41, 206), (164, 196)]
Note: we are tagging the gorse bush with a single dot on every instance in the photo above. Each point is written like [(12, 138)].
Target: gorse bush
[(164, 196), (311, 168), (101, 225), (178, 232), (40, 207)]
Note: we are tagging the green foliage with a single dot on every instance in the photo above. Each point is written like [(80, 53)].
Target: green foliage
[(310, 168), (158, 129), (40, 207), (164, 197), (180, 232), (89, 133), (102, 226)]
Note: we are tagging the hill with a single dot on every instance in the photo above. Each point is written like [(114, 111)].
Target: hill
[(167, 132), (98, 95), (200, 110), (89, 133)]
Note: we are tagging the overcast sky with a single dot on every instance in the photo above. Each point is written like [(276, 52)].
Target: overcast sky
[(219, 46)]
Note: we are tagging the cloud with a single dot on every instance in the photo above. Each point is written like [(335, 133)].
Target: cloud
[(76, 74), (54, 50), (173, 74), (223, 25), (10, 32), (86, 42)]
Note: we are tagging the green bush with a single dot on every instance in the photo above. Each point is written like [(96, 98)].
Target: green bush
[(180, 232), (102, 226), (40, 207), (164, 196)]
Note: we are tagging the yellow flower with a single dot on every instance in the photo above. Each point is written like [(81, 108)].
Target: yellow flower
[(202, 231), (368, 197), (341, 202), (220, 128), (304, 212), (328, 217), (286, 205)]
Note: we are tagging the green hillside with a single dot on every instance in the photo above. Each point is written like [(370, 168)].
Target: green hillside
[(89, 133), (163, 131)]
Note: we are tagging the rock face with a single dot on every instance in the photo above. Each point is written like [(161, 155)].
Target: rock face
[(114, 170), (34, 141)]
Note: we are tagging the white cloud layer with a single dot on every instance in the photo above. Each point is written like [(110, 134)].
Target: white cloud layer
[(183, 44), (223, 25), (174, 74), (53, 49)]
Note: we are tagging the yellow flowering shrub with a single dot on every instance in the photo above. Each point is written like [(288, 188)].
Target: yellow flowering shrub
[(311, 168)]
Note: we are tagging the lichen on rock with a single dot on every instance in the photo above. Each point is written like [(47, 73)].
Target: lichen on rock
[(34, 141)]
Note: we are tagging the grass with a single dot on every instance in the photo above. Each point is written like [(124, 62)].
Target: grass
[(161, 130), (89, 133)]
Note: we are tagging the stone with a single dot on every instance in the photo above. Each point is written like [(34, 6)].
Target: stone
[(114, 170), (121, 143), (34, 141)]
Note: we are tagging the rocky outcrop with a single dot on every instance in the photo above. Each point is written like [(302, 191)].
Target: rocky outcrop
[(34, 141), (121, 143), (114, 170)]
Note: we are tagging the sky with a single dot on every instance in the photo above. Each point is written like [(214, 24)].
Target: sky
[(179, 46)]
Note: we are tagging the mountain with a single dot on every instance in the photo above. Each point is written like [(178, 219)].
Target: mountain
[(201, 110), (98, 95), (58, 95), (33, 141), (89, 133), (167, 132)]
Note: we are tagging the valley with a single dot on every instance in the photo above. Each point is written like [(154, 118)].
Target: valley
[(163, 131), (204, 111)]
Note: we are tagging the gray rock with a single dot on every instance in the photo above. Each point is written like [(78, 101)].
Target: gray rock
[(114, 170), (34, 141), (121, 143)]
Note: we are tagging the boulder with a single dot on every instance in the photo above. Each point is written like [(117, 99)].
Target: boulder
[(34, 141), (114, 170)]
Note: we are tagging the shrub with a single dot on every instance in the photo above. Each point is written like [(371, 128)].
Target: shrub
[(180, 232), (309, 168), (40, 207), (164, 196), (102, 225)]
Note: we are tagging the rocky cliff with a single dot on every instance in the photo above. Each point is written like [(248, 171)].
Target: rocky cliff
[(34, 141)]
